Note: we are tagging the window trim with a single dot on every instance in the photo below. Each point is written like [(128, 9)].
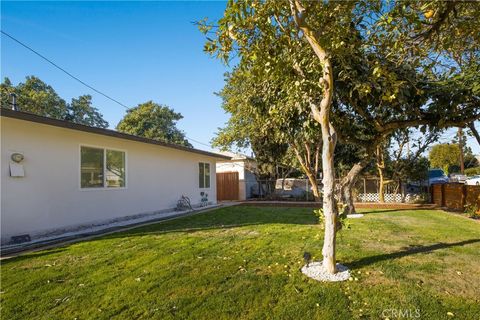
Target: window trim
[(209, 175), (79, 165)]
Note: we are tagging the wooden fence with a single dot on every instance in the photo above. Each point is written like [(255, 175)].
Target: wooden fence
[(455, 196)]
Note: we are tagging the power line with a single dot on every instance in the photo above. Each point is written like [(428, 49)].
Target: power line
[(207, 145), (63, 70), (79, 80)]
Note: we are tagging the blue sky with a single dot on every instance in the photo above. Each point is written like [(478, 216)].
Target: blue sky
[(132, 51)]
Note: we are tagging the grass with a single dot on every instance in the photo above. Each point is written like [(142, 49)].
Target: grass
[(243, 263)]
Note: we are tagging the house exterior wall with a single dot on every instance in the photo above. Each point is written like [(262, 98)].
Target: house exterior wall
[(251, 183), (49, 196)]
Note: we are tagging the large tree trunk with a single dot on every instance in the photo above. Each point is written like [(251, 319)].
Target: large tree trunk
[(322, 115), (329, 203)]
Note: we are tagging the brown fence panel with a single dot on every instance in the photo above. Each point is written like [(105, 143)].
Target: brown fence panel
[(472, 196), (227, 186), (437, 194), (454, 197)]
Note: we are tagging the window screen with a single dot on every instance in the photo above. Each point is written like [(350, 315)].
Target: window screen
[(204, 175), (115, 173), (91, 167), (102, 168)]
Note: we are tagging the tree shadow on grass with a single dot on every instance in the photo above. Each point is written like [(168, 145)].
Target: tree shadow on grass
[(222, 218), (409, 251), (30, 255)]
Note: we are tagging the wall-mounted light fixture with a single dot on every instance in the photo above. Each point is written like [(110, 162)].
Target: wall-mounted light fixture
[(16, 168), (17, 157)]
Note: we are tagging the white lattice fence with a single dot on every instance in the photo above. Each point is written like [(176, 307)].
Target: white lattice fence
[(389, 197)]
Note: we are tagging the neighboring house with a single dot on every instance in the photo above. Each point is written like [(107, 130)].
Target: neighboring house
[(245, 167), (73, 175)]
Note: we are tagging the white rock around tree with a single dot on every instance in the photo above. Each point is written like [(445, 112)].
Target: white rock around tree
[(316, 271), (355, 215)]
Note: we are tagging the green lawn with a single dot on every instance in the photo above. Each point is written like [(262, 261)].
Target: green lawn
[(243, 263)]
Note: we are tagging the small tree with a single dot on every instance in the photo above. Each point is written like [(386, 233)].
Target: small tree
[(444, 156)]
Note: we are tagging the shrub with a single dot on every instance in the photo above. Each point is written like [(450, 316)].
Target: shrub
[(472, 171), (342, 222), (471, 211)]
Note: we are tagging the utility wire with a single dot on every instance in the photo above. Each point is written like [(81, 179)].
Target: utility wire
[(77, 79), (207, 145), (63, 70)]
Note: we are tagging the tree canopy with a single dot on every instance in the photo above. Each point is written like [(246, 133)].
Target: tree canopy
[(153, 121), (37, 97), (444, 156), (81, 111), (360, 69)]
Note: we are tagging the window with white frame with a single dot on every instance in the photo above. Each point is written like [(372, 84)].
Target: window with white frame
[(101, 168), (204, 175)]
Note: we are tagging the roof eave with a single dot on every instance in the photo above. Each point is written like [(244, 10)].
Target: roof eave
[(106, 132)]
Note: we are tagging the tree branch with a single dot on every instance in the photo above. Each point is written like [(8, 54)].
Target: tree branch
[(472, 128), (435, 27)]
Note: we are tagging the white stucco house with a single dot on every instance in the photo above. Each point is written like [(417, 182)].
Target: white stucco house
[(246, 167), (57, 175)]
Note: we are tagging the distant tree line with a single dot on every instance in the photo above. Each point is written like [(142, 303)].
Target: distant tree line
[(149, 119)]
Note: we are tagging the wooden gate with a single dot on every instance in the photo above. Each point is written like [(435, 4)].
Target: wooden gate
[(227, 186)]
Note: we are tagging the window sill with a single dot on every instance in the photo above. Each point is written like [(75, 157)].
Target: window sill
[(101, 188)]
